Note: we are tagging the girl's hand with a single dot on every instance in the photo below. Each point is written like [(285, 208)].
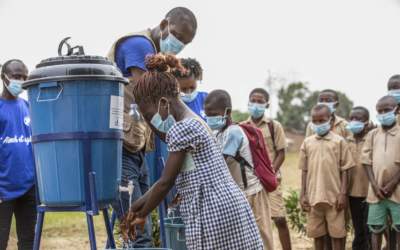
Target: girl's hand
[(305, 204), (388, 189), (378, 192)]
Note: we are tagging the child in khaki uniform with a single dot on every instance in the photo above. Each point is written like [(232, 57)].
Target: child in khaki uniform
[(358, 182), (394, 90), (275, 141), (325, 159), (338, 124), (382, 161), (234, 142)]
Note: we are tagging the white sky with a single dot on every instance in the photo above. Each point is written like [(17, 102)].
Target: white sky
[(351, 46)]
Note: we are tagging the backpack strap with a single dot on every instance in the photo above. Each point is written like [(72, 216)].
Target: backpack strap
[(243, 164), (272, 132)]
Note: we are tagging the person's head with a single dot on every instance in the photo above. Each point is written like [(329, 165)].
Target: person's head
[(188, 79), (258, 102), (218, 109), (387, 110), (359, 120), (13, 73), (176, 30), (321, 119), (330, 98), (157, 92), (394, 87)]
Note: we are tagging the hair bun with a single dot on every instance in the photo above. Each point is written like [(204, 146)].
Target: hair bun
[(163, 63)]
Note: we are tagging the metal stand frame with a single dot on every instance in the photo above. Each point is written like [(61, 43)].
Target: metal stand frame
[(90, 207)]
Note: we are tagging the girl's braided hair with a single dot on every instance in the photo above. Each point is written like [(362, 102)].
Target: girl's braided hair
[(158, 81)]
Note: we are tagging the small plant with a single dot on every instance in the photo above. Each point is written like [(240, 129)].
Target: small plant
[(297, 218), (155, 228)]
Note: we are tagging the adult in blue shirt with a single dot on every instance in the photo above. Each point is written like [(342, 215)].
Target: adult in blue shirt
[(17, 192), (188, 84), (174, 32)]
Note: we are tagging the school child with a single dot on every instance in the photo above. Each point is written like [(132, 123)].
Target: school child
[(275, 139), (215, 212), (189, 79), (394, 90), (381, 159), (359, 126), (236, 148), (330, 98), (325, 159)]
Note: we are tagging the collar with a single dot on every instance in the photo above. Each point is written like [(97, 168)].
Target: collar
[(393, 131), (351, 138), (265, 119), (338, 120), (327, 137)]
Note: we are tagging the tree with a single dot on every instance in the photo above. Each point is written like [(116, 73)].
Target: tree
[(238, 116), (292, 111)]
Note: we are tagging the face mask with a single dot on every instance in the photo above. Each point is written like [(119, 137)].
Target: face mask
[(14, 86), (387, 119), (171, 44), (256, 110), (322, 129), (355, 127), (396, 94), (216, 122), (189, 97), (162, 125), (331, 106)]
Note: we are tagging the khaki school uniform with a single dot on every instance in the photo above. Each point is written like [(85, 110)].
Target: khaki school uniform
[(338, 128), (276, 198), (382, 152), (358, 184), (324, 159), (398, 119)]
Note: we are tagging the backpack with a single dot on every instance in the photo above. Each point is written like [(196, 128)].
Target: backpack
[(262, 163)]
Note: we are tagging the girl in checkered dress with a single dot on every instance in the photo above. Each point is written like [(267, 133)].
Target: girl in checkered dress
[(215, 212)]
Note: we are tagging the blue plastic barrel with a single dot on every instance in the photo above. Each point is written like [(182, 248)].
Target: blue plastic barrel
[(175, 232), (76, 107)]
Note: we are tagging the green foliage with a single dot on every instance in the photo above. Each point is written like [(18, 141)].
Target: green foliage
[(345, 104), (238, 116), (297, 218), (155, 228)]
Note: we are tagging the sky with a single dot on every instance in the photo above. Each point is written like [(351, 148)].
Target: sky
[(351, 46)]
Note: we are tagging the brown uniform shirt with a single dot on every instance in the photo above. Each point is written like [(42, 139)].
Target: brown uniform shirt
[(382, 152), (338, 128), (324, 158), (358, 185)]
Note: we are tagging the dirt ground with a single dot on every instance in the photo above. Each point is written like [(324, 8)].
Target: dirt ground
[(68, 231)]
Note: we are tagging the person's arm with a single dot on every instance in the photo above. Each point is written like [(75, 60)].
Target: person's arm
[(160, 189), (280, 145), (304, 201), (341, 202), (377, 190), (279, 159), (389, 188)]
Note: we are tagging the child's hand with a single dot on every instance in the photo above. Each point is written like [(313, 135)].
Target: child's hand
[(379, 192), (341, 202), (305, 204), (388, 189)]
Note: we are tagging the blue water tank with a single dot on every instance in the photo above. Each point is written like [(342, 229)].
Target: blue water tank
[(76, 105)]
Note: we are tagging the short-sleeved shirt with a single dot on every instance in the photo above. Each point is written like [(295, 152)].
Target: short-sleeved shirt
[(234, 141), (131, 53), (279, 142), (324, 158), (338, 128), (197, 105), (16, 157), (358, 185), (398, 119), (381, 151)]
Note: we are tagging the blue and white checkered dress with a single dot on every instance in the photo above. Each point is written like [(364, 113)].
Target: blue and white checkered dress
[(215, 212)]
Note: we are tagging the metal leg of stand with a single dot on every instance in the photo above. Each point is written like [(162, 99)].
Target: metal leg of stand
[(110, 241), (38, 230), (92, 234)]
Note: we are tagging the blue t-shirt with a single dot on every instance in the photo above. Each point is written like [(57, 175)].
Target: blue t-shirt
[(132, 52), (197, 105), (16, 158)]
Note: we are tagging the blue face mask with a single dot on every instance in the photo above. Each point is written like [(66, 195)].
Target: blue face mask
[(171, 44), (396, 94), (14, 86), (355, 127), (331, 106), (189, 97), (322, 129), (387, 119), (216, 122), (162, 125), (256, 110)]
